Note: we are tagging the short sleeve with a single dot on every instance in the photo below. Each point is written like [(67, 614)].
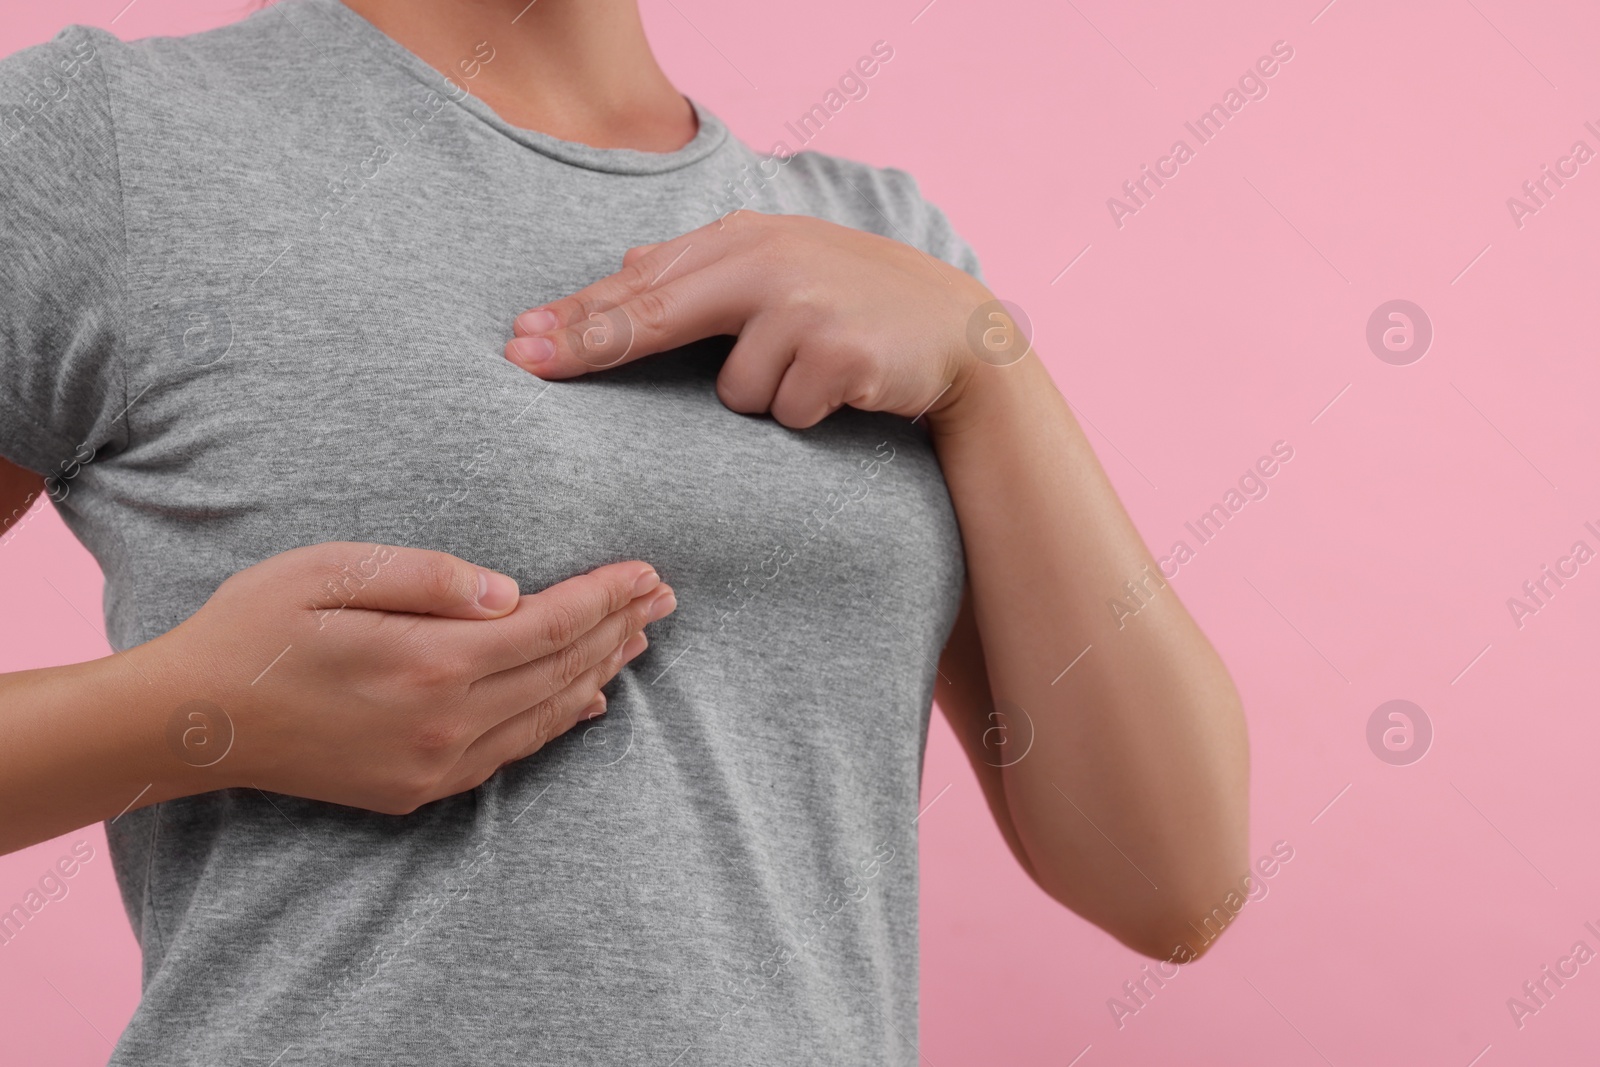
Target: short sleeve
[(932, 230), (62, 255)]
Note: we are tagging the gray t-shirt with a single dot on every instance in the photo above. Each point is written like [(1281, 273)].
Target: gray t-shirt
[(254, 289)]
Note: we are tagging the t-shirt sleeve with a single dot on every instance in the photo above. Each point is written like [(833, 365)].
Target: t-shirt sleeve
[(62, 255), (929, 228)]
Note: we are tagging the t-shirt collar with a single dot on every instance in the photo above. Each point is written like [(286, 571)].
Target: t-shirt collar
[(710, 135)]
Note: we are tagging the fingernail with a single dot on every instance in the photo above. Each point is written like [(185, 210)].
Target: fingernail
[(496, 592), (647, 581), (536, 321), (532, 349), (596, 707), (633, 646), (662, 606)]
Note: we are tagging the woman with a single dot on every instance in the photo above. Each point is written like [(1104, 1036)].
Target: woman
[(370, 564)]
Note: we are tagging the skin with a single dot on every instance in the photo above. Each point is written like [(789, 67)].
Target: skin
[(406, 695), (414, 680), (1129, 806)]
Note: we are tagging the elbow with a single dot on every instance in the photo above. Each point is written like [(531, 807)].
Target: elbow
[(1173, 938), (1173, 926), (1184, 919), (1182, 925)]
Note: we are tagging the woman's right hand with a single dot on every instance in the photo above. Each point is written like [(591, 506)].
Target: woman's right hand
[(385, 678)]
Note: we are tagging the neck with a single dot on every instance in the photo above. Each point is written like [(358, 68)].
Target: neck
[(580, 70)]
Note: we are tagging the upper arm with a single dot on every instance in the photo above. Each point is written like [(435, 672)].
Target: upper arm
[(991, 739), (63, 390)]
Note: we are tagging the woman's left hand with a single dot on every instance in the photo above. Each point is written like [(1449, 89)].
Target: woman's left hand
[(826, 316)]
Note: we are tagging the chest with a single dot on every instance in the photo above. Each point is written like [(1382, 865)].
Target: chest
[(311, 378)]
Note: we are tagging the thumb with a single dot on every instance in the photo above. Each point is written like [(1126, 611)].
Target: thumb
[(414, 580)]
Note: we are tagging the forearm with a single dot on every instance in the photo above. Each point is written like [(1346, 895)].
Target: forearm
[(85, 742), (1132, 802)]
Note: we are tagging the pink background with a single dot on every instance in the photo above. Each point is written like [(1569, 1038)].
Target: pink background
[(1222, 317)]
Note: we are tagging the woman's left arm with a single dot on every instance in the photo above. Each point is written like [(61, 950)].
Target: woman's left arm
[(1112, 740), (1130, 806)]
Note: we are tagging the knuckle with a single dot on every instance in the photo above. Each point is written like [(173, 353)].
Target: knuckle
[(618, 595), (439, 579), (571, 661), (609, 668), (802, 296), (586, 310), (433, 739), (837, 362), (806, 299), (324, 572), (858, 379), (435, 670), (868, 393), (636, 277), (595, 678), (610, 593), (549, 723), (651, 309), (539, 726), (560, 625), (570, 336), (777, 243), (638, 616)]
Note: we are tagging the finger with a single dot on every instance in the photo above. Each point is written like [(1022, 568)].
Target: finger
[(805, 396), (526, 733), (387, 578), (634, 313), (637, 252), (644, 267), (749, 379), (550, 620), (509, 691)]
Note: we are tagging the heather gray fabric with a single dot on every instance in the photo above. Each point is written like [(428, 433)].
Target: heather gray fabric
[(263, 275)]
